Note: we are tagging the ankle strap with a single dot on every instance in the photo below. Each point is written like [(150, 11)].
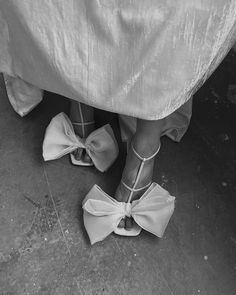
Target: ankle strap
[(135, 189), (83, 123), (144, 159)]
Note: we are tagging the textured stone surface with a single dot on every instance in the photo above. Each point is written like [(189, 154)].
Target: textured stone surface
[(43, 245)]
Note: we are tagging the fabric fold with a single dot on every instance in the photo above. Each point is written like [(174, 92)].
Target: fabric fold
[(142, 59), (151, 212), (60, 139), (23, 96)]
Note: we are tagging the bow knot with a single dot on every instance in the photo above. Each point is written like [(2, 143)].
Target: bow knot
[(60, 139), (127, 209), (81, 142), (102, 214)]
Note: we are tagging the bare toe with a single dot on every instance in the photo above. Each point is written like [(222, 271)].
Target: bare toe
[(78, 154), (122, 223), (129, 223), (87, 159)]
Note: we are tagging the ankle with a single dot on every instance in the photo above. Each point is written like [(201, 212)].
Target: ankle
[(82, 117), (132, 167), (145, 145), (81, 113)]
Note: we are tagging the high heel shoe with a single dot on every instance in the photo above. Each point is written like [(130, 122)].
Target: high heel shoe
[(60, 139), (152, 211)]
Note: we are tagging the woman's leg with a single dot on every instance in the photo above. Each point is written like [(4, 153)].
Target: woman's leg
[(84, 115), (146, 142)]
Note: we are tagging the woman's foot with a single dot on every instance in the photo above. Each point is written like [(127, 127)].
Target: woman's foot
[(138, 173), (82, 117)]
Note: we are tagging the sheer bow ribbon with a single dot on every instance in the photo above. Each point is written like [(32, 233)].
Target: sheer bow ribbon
[(102, 214), (60, 139)]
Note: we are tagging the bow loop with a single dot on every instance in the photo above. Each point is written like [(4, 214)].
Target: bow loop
[(102, 214), (60, 139)]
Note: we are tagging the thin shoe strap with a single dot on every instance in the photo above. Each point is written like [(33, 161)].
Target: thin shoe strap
[(135, 189), (142, 158), (84, 123), (82, 120)]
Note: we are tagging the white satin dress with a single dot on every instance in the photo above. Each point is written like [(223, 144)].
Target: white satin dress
[(141, 59)]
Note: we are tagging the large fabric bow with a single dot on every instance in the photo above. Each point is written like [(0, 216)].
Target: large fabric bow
[(60, 139), (102, 214)]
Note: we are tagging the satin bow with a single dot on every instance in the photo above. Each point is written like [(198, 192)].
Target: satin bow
[(60, 139), (102, 214)]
